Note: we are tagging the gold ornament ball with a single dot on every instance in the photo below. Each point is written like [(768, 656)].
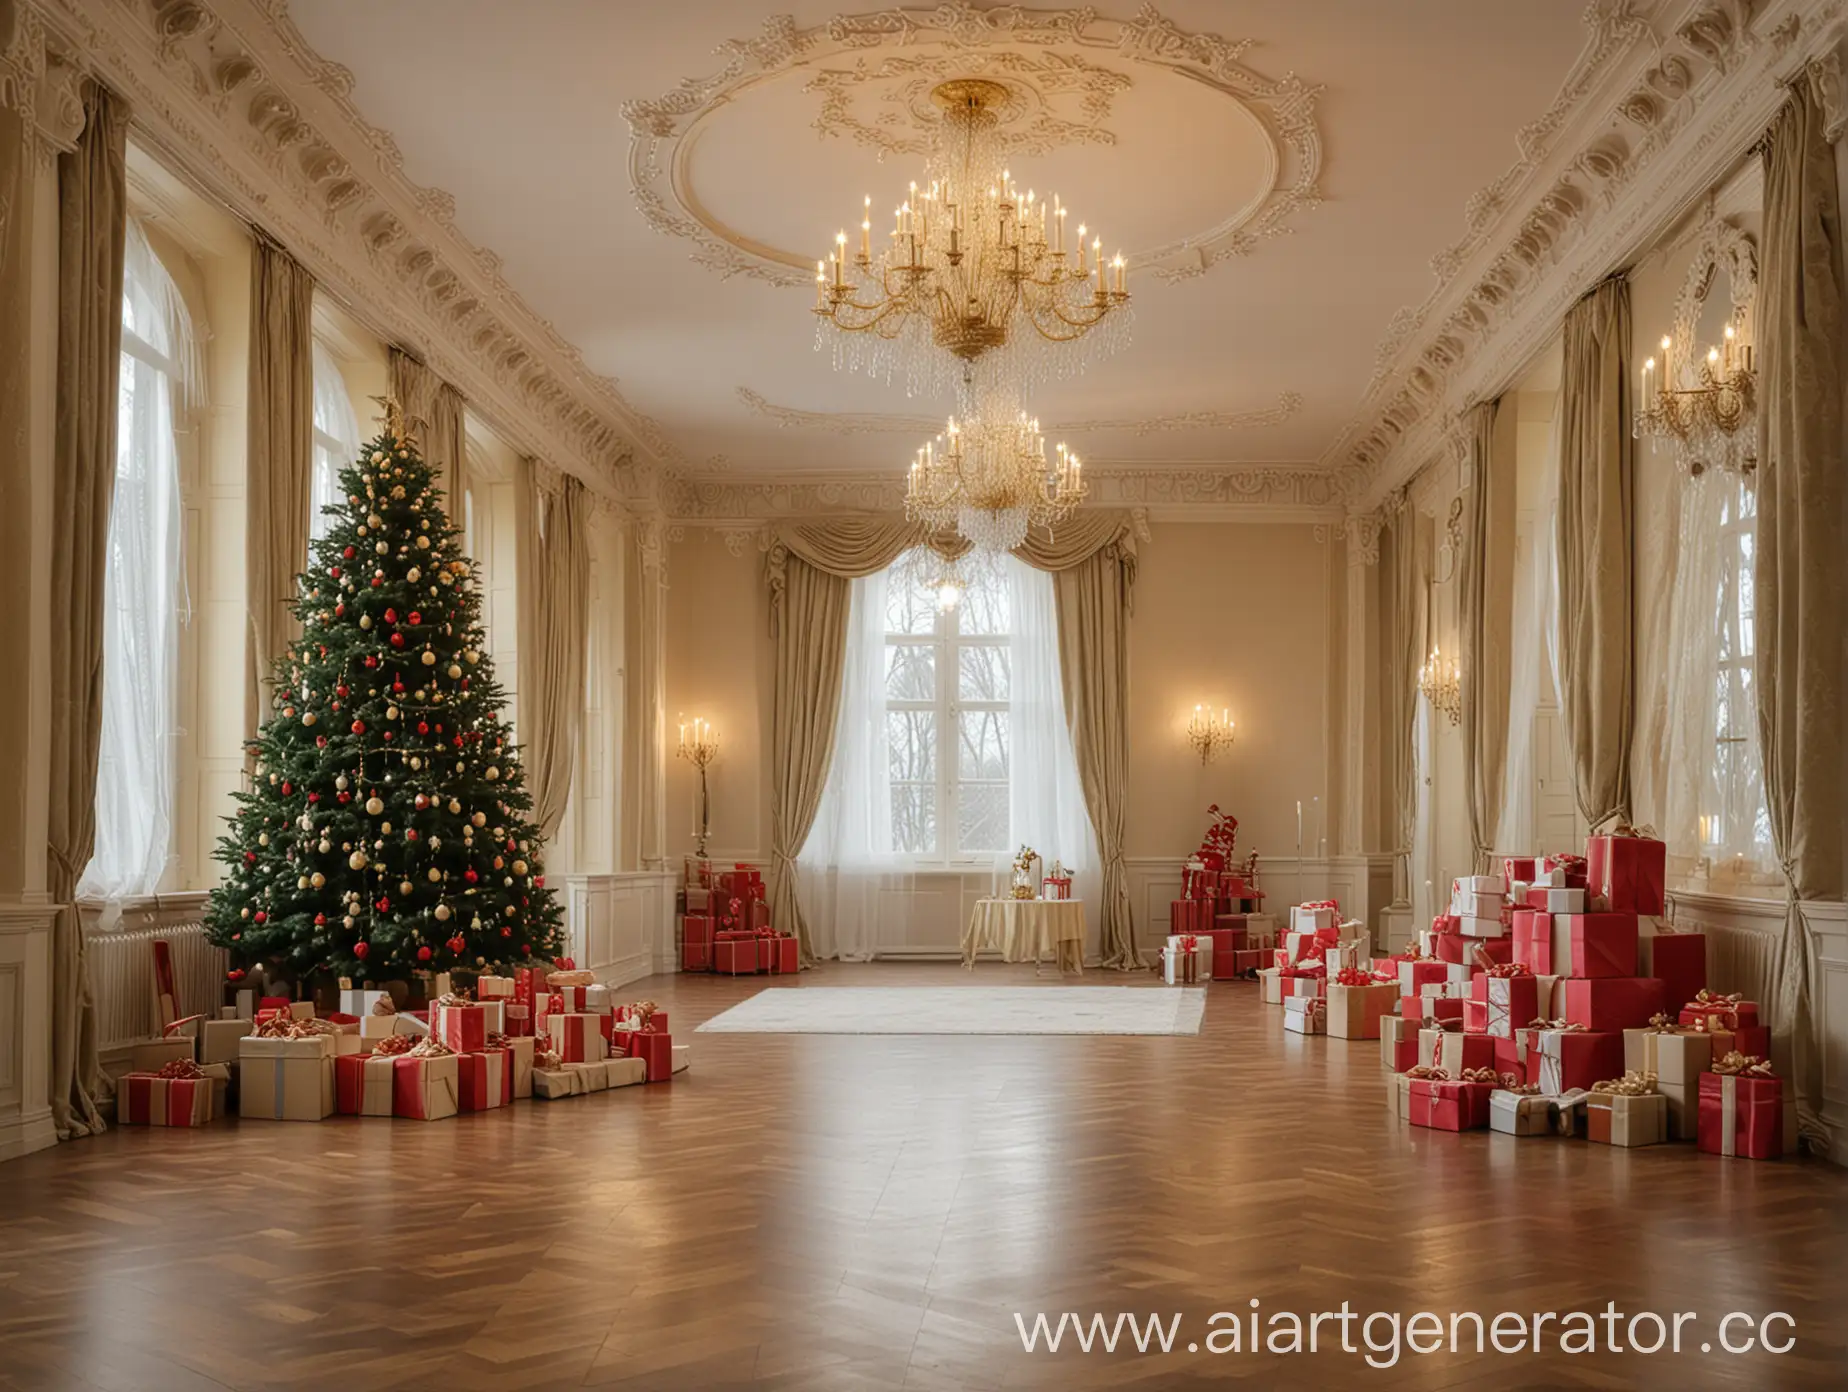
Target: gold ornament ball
[(519, 867), (357, 860), (374, 806), (480, 819), (442, 913), (307, 717), (435, 874), (406, 887), (318, 880), (429, 658), (454, 671), (454, 806)]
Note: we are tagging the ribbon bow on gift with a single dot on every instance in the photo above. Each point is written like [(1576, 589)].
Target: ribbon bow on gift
[(288, 1027), (1631, 1084), (1509, 969), (1508, 1082), (1481, 1075), (1544, 1024), (451, 998), (1647, 832), (1712, 1005), (545, 1058), (384, 1005), (1662, 1024), (429, 1047), (1430, 1072), (1189, 942), (1741, 1065), (1355, 976), (500, 1041), (180, 1068), (393, 1044)]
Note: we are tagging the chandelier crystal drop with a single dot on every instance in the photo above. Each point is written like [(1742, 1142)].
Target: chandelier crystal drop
[(978, 272), (988, 478)]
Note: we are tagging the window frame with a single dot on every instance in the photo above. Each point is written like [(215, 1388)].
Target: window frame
[(947, 643), (1733, 830)]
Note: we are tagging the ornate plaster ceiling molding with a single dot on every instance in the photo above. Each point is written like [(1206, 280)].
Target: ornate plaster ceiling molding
[(1272, 494), (871, 74), (1682, 88), (41, 82), (873, 423), (236, 100)]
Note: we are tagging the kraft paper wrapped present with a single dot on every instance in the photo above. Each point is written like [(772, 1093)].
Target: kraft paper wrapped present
[(155, 1054), (1305, 1015), (1600, 944), (1187, 960), (597, 1000), (1620, 1119), (1520, 1113), (481, 1082), (219, 1040), (425, 1087), (1348, 956), (493, 988), (1475, 884), (1398, 1043), (1674, 1058), (286, 1079), (1561, 1061), (1741, 1113), (365, 1084), (625, 1072), (1270, 985), (519, 1051), (576, 1038), (551, 1084), (1613, 1002), (1453, 1051), (1399, 1094), (1445, 1105), (1299, 983), (1627, 872), (361, 1002), (683, 1055), (1472, 905), (156, 1099), (1428, 1010), (1356, 1012)]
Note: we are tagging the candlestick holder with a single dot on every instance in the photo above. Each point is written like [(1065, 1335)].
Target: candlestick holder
[(699, 746), (1210, 734)]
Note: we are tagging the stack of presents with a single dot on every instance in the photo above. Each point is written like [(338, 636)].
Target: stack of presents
[(1554, 998), (536, 1034), (1217, 930), (725, 923), (1324, 977)]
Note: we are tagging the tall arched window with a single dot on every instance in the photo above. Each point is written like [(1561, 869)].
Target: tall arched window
[(336, 438), (143, 587)]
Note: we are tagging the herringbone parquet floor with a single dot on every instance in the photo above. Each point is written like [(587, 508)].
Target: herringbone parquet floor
[(870, 1213)]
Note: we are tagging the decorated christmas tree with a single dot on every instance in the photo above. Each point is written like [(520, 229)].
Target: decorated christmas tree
[(385, 830)]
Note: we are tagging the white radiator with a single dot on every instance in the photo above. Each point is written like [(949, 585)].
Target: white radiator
[(1743, 960), (122, 977)]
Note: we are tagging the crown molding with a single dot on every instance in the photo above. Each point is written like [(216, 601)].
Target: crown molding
[(1280, 493), (1664, 101), (233, 98)]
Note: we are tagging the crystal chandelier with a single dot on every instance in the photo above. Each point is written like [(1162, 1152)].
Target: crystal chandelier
[(1705, 411), (1442, 685), (977, 272), (987, 477)]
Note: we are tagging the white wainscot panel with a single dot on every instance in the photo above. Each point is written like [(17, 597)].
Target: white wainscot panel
[(25, 1030), (620, 926)]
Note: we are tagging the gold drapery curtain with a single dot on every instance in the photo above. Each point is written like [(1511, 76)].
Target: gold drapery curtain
[(92, 235), (1485, 598), (809, 609), (1404, 567), (810, 640), (553, 561), (435, 412), (1800, 604), (1596, 550), (279, 467)]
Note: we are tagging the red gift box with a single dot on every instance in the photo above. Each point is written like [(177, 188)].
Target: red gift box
[(1190, 916), (1710, 1011), (1603, 944), (1618, 1003), (735, 954), (519, 1020), (482, 1080), (1412, 975), (697, 928), (1475, 1016), (656, 1051), (1741, 1114), (1508, 1057), (696, 957), (148, 1099), (1445, 1105), (1522, 868), (1679, 959), (1431, 1008), (785, 955), (1567, 1060), (1628, 872), (1533, 941), (756, 914), (1506, 1003), (363, 1084), (576, 1038), (423, 1088), (1243, 963), (464, 1028), (1573, 865)]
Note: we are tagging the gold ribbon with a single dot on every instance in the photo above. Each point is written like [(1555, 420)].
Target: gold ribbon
[(1481, 1075), (1508, 1082), (429, 1047), (384, 1006), (1566, 1025), (1736, 1064), (1631, 1084), (1663, 1024)]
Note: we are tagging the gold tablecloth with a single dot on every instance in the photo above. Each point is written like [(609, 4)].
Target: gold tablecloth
[(1027, 930)]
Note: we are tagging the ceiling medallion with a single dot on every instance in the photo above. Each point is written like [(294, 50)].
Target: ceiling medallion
[(886, 62), (977, 272)]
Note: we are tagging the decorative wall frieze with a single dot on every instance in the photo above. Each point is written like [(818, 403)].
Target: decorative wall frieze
[(870, 75), (41, 81), (875, 423), (234, 98), (1665, 97), (1279, 493)]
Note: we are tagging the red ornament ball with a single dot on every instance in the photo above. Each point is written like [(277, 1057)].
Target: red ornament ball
[(235, 974), (372, 659), (377, 580), (506, 932), (397, 640), (344, 798), (341, 692), (416, 617), (334, 572), (527, 948), (340, 611), (314, 797), (250, 857), (359, 727), (423, 954), (456, 944), (383, 905), (286, 789), (320, 920), (391, 616), (360, 950), (260, 916), (470, 875), (423, 727), (348, 553), (320, 741)]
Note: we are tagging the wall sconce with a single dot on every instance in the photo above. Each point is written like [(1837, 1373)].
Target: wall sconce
[(1209, 733), (1702, 406), (1442, 685), (699, 746)]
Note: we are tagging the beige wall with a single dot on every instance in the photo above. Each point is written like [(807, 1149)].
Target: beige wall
[(1231, 614)]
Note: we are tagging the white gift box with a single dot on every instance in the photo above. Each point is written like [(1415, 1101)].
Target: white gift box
[(1549, 879), (1472, 927), (1459, 974), (493, 988), (1305, 1015), (360, 1003), (1298, 944), (683, 1055), (1302, 986), (1174, 967), (1520, 1113), (597, 1000), (1308, 920), (1476, 884), (1468, 905), (1343, 955), (1565, 901)]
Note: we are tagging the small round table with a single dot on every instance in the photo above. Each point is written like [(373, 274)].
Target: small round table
[(1027, 930)]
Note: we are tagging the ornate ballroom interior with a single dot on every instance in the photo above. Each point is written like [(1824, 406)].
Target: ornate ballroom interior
[(1090, 537)]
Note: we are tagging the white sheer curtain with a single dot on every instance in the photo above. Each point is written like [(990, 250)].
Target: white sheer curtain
[(856, 890), (1534, 653), (336, 438), (144, 590)]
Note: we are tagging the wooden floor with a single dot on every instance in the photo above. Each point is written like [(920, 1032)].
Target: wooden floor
[(815, 1212)]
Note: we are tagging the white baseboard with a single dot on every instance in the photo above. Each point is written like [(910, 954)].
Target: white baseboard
[(23, 1135)]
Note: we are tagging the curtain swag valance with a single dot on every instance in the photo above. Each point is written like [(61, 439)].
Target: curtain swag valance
[(852, 547)]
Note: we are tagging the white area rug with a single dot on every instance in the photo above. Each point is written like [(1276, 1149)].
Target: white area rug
[(965, 1010)]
